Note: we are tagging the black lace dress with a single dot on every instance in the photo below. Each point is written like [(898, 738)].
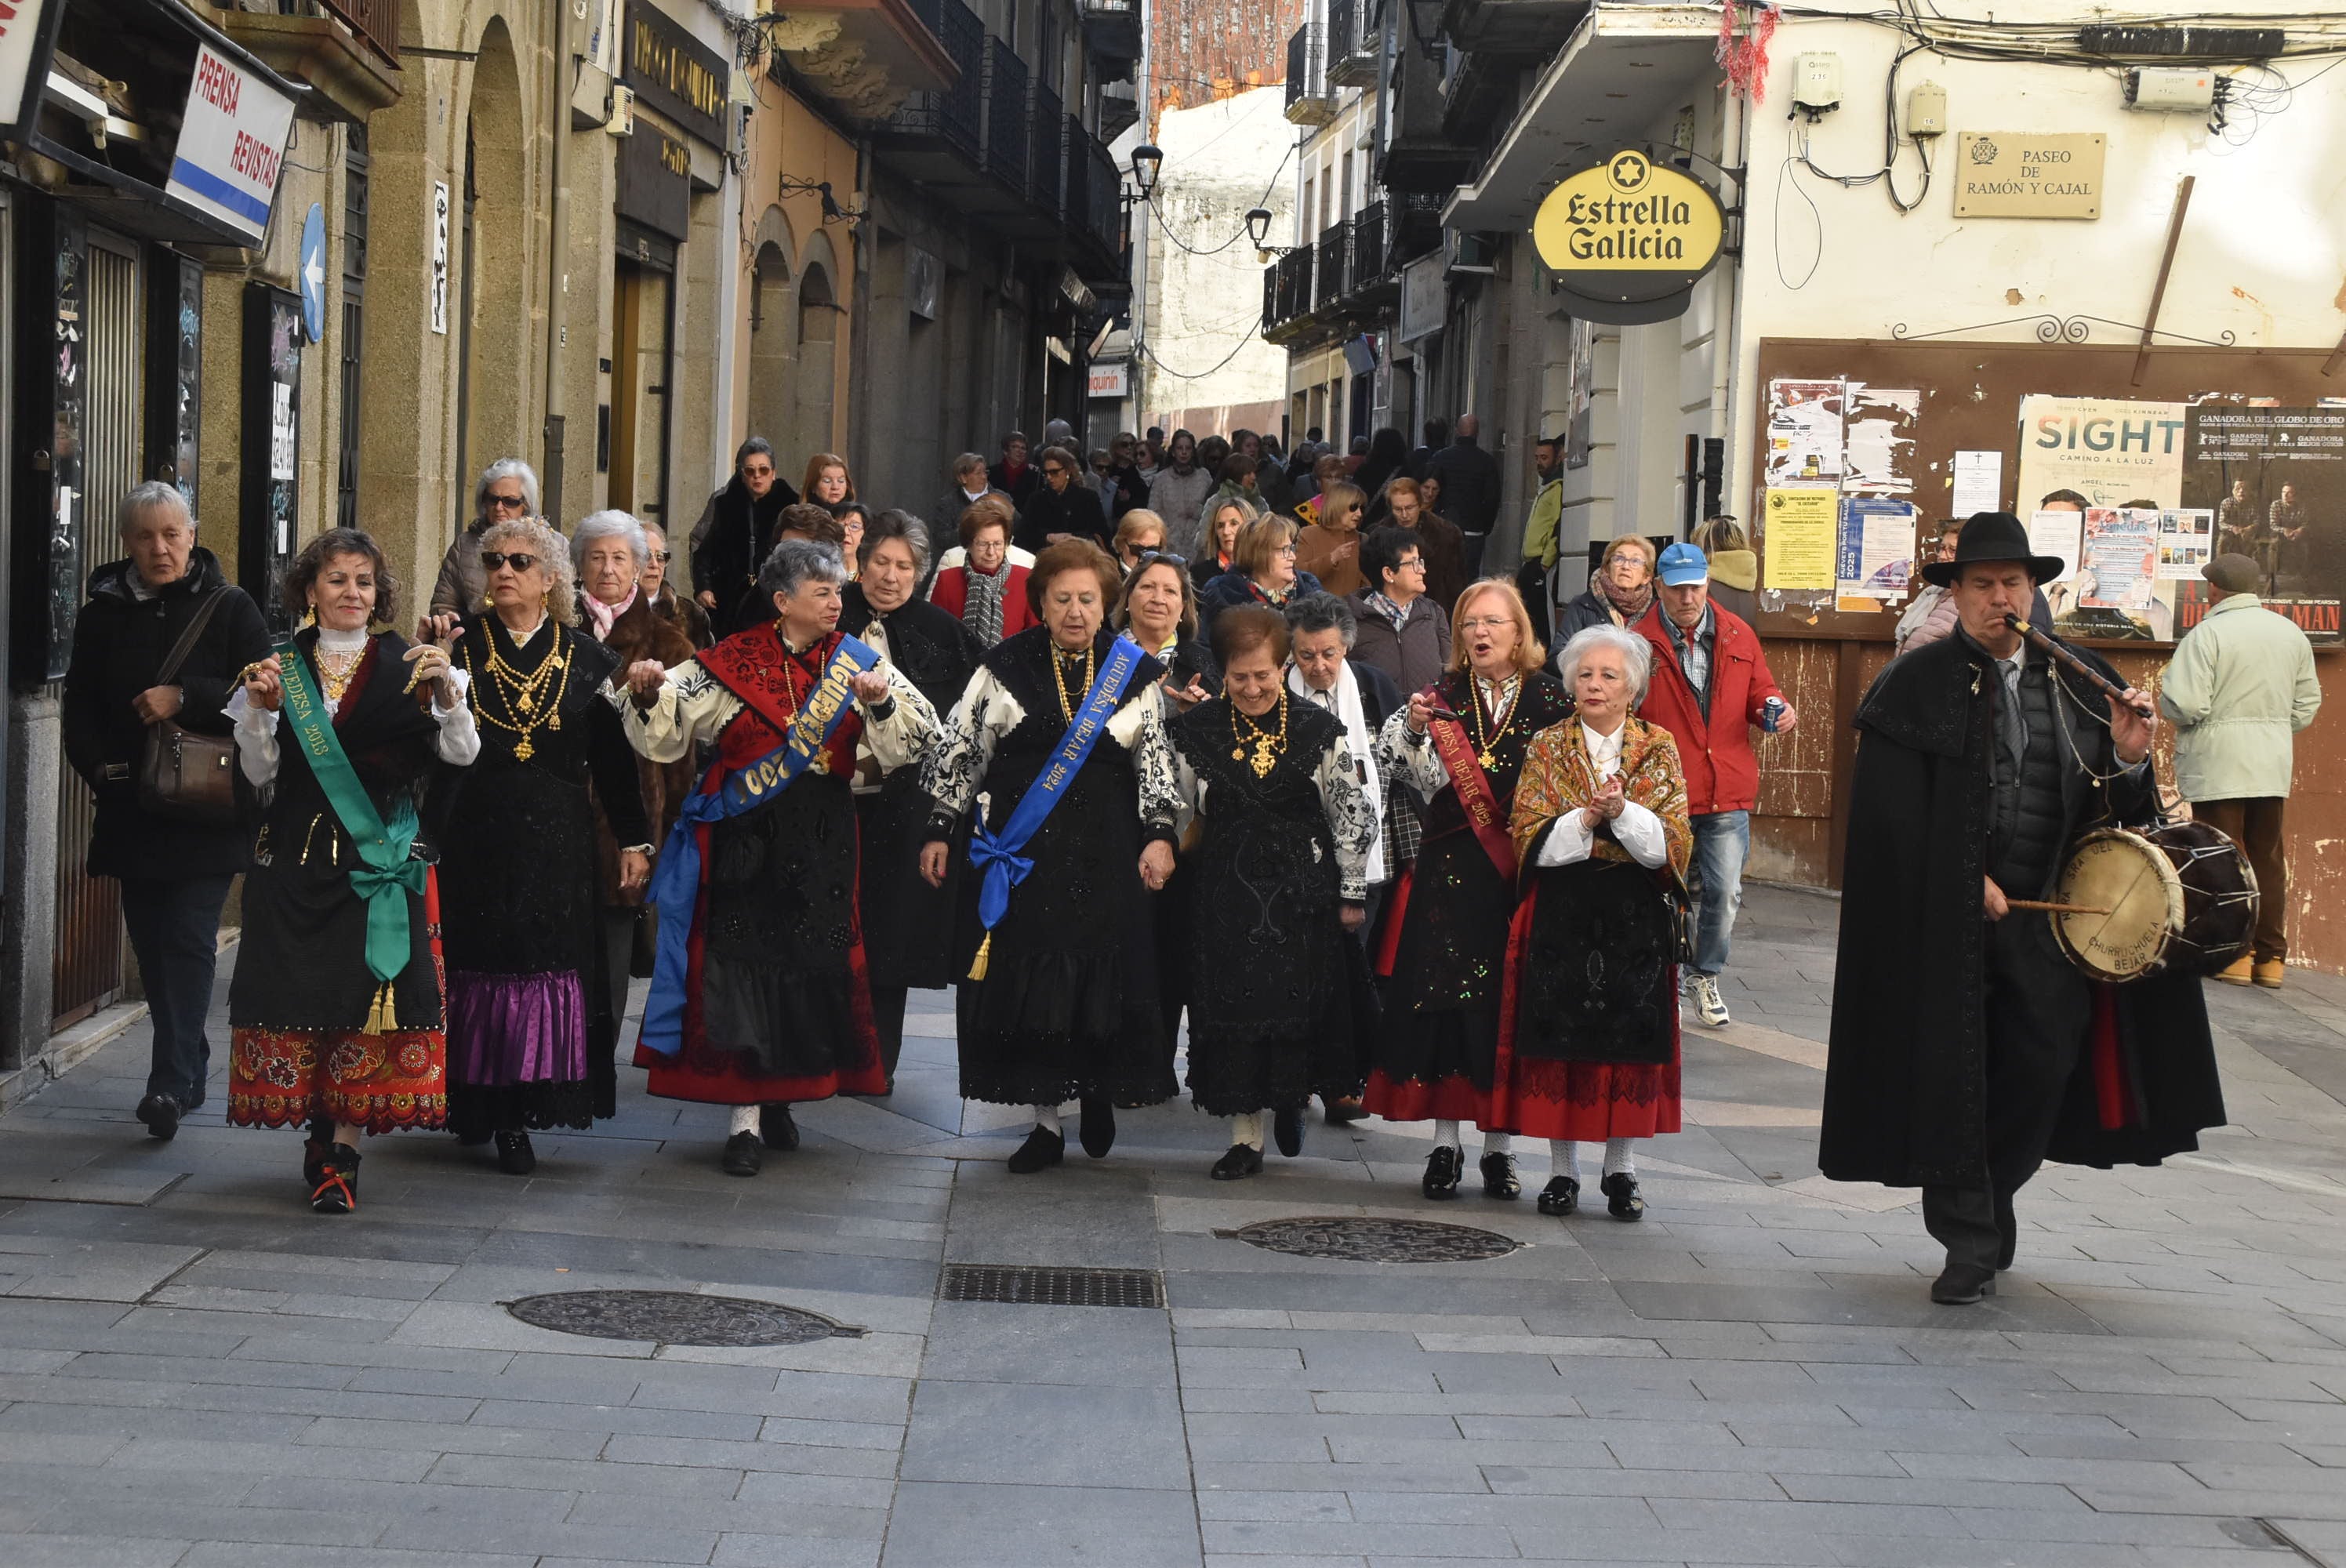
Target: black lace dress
[(530, 1033), (1442, 947), (1273, 1018), (1068, 1006)]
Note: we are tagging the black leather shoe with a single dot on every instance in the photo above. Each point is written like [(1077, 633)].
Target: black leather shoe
[(1499, 1178), (1621, 1200), (1560, 1196), (1345, 1111), (1963, 1285), (1441, 1170), (1096, 1129), (1042, 1148), (161, 1113), (744, 1155), (514, 1155), (775, 1126), (337, 1188), (1243, 1160), (1287, 1131)]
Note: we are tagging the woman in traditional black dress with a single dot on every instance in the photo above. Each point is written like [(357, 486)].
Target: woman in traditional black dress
[(1442, 947), (908, 925), (1282, 857), (1059, 998), (530, 1028), (320, 1039)]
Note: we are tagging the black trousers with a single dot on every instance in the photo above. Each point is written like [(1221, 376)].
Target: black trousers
[(174, 926), (888, 1015), (2038, 1008)]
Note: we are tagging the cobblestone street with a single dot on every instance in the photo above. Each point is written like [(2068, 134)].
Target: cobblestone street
[(195, 1370)]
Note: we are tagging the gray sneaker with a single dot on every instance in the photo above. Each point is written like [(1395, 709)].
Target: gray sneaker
[(1709, 1007)]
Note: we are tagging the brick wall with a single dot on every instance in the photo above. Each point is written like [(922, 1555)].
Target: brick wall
[(1201, 50)]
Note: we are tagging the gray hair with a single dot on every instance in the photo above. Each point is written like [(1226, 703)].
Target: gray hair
[(507, 468), (537, 539), (967, 461), (795, 562), (144, 498), (896, 523), (1321, 613), (611, 525), (1636, 655)]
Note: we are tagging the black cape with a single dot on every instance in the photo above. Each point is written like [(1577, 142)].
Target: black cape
[(1905, 1083)]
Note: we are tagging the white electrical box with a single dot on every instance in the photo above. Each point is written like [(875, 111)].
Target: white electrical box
[(1926, 110), (1816, 82), (622, 111), (2171, 89)]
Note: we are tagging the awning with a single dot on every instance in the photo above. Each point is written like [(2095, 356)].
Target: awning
[(1623, 67)]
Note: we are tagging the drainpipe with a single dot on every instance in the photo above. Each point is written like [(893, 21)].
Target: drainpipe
[(557, 276), (1727, 321), (859, 343)]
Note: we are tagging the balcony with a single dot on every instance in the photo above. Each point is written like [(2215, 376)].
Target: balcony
[(1420, 156), (1109, 265), (1327, 275), (1112, 32), (1046, 162), (1370, 254), (1287, 294), (1520, 29), (1415, 229), (1355, 44), (1006, 138), (1310, 100), (864, 59), (1480, 99), (346, 50), (935, 136)]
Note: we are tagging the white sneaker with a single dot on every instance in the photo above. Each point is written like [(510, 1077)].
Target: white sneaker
[(1709, 1007)]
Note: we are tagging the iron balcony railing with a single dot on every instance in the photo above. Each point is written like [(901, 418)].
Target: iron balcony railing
[(1307, 99), (1293, 286), (955, 116), (1046, 164), (1102, 186), (1369, 248), (1006, 114), (376, 22), (1328, 286)]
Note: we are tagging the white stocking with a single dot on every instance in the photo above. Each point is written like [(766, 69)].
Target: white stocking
[(1446, 1135), (745, 1120), (1617, 1158), (1498, 1142), (1048, 1117), (1564, 1157), (1246, 1128)]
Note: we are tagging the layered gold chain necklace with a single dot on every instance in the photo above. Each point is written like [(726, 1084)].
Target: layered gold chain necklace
[(1059, 675), (1268, 744), (1484, 742), (335, 671), (524, 696)]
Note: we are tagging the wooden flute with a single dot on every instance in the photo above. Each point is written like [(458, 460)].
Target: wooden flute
[(2060, 651)]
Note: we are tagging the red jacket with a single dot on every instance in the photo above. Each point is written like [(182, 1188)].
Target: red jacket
[(1721, 773), (950, 592)]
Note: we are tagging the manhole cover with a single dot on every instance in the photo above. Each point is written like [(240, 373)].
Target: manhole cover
[(1376, 1241), (675, 1317)]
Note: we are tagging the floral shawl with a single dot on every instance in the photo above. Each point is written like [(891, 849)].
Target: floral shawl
[(1559, 777)]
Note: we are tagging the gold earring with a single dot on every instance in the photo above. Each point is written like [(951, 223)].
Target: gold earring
[(309, 617)]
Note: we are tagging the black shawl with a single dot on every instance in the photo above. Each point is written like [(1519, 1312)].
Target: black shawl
[(726, 562)]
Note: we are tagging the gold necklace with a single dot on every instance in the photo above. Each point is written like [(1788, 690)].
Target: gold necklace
[(1059, 675), (520, 694), (335, 670), (1266, 744), (1484, 743)]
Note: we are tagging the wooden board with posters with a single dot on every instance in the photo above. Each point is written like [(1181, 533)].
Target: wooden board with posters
[(2254, 417)]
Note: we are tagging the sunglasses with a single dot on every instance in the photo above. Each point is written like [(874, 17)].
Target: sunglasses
[(515, 503), (1151, 557), (663, 556), (1052, 470), (520, 561)]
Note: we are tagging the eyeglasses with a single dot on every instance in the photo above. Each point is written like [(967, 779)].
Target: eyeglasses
[(1286, 550), (1052, 470), (520, 561), (1484, 624), (663, 556), (1407, 562), (517, 503)]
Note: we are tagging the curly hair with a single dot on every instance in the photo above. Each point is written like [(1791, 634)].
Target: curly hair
[(303, 572), (535, 538), (1073, 556), (1187, 624)]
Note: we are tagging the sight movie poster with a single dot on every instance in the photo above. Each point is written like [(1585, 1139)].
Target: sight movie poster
[(2276, 479)]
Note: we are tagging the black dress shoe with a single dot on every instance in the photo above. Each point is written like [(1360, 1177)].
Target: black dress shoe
[(775, 1126), (1963, 1285), (1560, 1196), (1343, 1112), (1243, 1160), (1621, 1200), (1042, 1148), (1499, 1176), (337, 1189), (1098, 1127), (1287, 1131), (744, 1155), (161, 1113), (514, 1155), (1442, 1171)]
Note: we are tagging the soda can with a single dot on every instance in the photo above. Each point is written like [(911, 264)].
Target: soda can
[(1771, 713)]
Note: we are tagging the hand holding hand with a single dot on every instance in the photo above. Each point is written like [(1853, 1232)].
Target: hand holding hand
[(438, 628), (634, 869), (932, 864), (644, 678), (1156, 864), (870, 689), (1354, 916)]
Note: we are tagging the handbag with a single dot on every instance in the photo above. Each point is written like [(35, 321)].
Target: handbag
[(185, 776)]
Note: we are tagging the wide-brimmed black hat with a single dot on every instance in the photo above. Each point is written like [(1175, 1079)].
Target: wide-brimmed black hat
[(1993, 536)]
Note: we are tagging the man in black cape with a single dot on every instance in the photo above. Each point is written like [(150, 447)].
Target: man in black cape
[(1960, 1059)]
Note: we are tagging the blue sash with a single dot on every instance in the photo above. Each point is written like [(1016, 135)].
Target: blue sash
[(996, 856), (676, 885)]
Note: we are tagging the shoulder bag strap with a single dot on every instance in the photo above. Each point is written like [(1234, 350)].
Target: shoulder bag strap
[(187, 643)]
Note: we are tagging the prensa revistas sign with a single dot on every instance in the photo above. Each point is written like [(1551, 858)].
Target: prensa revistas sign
[(1626, 239)]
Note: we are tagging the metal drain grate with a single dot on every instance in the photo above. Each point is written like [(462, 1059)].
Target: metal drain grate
[(1024, 1285), (676, 1318), (1362, 1240)]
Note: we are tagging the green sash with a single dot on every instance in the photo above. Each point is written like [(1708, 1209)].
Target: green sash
[(385, 875)]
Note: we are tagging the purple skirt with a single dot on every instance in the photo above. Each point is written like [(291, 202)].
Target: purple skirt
[(506, 1030)]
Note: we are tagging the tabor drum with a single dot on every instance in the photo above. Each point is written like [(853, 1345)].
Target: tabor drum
[(2178, 896)]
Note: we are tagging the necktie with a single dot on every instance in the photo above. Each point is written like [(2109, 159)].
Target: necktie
[(2016, 726)]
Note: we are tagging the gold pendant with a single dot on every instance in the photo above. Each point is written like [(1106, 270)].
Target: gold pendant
[(1265, 759), (523, 703), (554, 722), (1238, 755), (1488, 761), (524, 751)]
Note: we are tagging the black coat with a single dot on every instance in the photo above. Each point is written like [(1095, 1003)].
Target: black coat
[(1470, 483), (1380, 695), (120, 645), (1905, 1087), (1073, 510), (728, 551)]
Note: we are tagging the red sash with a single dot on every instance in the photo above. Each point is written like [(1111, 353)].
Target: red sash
[(755, 666), (1483, 813)]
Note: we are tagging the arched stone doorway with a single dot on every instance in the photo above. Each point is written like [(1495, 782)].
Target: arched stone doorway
[(771, 404), (494, 261), (819, 313)]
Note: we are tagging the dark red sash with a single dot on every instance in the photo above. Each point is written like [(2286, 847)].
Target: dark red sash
[(755, 666), (1484, 815)]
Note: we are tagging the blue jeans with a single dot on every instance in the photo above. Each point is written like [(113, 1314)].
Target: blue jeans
[(174, 927), (1721, 840)]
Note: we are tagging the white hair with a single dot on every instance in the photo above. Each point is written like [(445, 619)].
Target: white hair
[(1636, 655), (507, 468), (144, 498), (611, 525)]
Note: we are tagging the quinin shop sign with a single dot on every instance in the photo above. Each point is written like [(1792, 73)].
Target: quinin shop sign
[(1626, 239)]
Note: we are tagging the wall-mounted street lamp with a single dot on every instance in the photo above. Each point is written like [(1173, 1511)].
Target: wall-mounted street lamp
[(1147, 161), (831, 211)]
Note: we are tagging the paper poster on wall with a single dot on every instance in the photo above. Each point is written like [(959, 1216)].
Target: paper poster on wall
[(2187, 538), (1878, 438), (1876, 553), (2275, 479), (2056, 532), (2114, 592), (1978, 484), (1799, 533), (1804, 432), (2104, 451)]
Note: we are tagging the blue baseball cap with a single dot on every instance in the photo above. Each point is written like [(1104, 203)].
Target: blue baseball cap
[(1681, 565)]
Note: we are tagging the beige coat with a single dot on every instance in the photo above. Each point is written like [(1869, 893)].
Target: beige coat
[(2241, 684)]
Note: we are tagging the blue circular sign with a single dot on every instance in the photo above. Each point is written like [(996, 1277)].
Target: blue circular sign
[(313, 272)]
